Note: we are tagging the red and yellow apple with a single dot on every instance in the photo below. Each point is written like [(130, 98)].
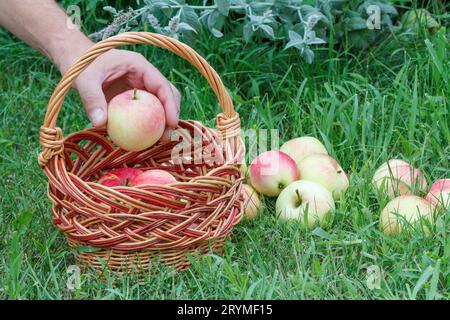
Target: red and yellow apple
[(136, 120), (397, 177), (306, 201), (153, 176), (300, 148), (439, 194), (404, 211), (251, 204), (326, 171), (118, 177), (272, 171)]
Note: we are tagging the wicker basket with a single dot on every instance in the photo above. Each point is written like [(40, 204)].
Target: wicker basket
[(132, 227)]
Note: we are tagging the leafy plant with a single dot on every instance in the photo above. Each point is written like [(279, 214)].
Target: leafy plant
[(300, 24)]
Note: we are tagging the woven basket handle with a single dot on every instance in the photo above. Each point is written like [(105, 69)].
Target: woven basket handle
[(51, 136)]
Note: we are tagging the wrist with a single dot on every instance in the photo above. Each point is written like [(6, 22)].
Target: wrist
[(65, 49)]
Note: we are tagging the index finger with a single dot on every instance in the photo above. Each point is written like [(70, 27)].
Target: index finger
[(157, 84)]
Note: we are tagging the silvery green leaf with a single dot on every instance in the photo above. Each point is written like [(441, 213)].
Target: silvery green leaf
[(110, 10), (316, 41), (294, 35), (189, 16), (205, 13), (386, 20), (356, 23), (256, 19), (241, 3), (309, 55), (216, 33), (267, 30), (212, 19), (157, 4), (183, 26), (223, 6), (247, 32), (298, 43), (307, 11)]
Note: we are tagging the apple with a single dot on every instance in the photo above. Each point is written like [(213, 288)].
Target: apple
[(306, 201), (324, 170), (403, 211), (439, 194), (153, 176), (118, 177), (251, 204), (272, 171), (300, 148), (136, 120), (397, 177)]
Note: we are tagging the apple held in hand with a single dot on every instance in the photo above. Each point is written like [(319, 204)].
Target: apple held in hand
[(252, 204), (154, 176), (272, 171), (397, 177), (326, 171), (300, 148), (439, 194), (404, 211), (306, 201), (136, 120), (118, 177)]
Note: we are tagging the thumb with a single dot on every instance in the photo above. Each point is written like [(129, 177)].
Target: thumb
[(94, 101)]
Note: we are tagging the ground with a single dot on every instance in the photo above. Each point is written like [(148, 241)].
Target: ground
[(367, 106)]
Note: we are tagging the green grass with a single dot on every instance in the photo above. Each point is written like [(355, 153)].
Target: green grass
[(385, 102)]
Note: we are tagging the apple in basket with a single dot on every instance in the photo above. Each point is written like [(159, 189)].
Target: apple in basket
[(154, 176), (404, 211), (119, 177), (306, 201), (272, 171), (136, 120)]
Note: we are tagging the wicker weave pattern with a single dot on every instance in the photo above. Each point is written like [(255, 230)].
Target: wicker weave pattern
[(137, 225)]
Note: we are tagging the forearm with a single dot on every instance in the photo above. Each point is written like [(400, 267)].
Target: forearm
[(43, 25)]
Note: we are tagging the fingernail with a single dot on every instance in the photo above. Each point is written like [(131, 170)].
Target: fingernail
[(96, 116)]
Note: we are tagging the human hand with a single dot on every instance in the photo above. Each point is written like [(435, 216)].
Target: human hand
[(117, 71)]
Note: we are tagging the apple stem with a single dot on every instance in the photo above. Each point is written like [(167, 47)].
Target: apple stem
[(298, 196), (135, 94)]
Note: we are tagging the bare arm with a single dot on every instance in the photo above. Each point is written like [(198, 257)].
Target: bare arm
[(43, 25)]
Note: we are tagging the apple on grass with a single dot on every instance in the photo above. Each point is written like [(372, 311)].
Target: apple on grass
[(326, 171), (404, 211), (153, 176), (397, 177), (439, 194), (272, 171), (251, 204), (136, 120), (118, 177), (300, 148), (306, 201)]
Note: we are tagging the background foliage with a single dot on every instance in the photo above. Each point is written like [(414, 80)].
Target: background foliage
[(292, 23)]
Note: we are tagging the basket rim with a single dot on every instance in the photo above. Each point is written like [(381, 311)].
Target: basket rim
[(51, 137)]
